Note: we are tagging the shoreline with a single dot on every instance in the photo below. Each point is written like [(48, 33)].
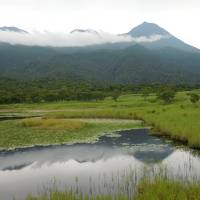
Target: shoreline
[(87, 141), (154, 131)]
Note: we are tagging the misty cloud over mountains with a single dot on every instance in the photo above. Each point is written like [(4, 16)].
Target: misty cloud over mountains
[(75, 38)]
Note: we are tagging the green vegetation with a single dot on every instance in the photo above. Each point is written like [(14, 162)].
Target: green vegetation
[(12, 91), (56, 195), (39, 131), (167, 95), (76, 121), (53, 124), (163, 188), (40, 91), (157, 189), (115, 95), (178, 119), (194, 98), (109, 63)]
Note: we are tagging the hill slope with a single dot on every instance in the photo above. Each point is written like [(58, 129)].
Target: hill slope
[(135, 64)]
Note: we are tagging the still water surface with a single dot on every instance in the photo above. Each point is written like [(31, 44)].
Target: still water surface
[(95, 168)]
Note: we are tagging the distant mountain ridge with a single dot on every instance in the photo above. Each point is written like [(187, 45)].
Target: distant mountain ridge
[(90, 31), (12, 29), (167, 60), (156, 37)]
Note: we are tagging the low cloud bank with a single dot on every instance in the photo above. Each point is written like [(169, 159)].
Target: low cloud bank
[(71, 39)]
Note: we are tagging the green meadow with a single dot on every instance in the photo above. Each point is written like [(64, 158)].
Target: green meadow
[(62, 122)]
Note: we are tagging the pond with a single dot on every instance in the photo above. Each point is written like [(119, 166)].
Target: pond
[(100, 167)]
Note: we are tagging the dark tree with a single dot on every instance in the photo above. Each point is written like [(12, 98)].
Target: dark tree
[(194, 98), (115, 95), (166, 94), (146, 92)]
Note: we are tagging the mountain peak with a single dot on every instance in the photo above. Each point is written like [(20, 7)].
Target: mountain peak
[(147, 29), (12, 29), (90, 31), (165, 39), (145, 23)]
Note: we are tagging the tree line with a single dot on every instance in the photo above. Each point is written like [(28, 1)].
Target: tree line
[(15, 91)]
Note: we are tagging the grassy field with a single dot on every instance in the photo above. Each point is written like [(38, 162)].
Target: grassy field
[(158, 189), (179, 120)]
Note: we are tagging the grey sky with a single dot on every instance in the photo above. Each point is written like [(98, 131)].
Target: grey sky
[(180, 17)]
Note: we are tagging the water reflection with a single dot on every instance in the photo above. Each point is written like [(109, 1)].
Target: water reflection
[(25, 171)]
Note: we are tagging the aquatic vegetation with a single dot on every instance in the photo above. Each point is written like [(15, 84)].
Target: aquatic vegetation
[(38, 131)]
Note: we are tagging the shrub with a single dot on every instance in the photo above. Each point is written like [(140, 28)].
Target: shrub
[(194, 98), (115, 95), (166, 94)]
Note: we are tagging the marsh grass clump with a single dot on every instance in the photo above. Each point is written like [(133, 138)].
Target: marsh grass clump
[(53, 123), (162, 188)]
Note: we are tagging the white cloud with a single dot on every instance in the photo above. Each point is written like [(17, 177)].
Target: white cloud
[(71, 39), (152, 38), (180, 17)]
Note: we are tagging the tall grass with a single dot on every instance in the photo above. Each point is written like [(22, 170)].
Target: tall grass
[(158, 187), (56, 195), (162, 188), (53, 123)]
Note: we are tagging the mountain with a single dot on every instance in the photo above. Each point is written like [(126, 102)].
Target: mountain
[(12, 29), (89, 31), (149, 35), (165, 39), (135, 64), (147, 29), (167, 60)]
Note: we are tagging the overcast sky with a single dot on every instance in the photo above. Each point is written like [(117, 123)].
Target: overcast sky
[(179, 17)]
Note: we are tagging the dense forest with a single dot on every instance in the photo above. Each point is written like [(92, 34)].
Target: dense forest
[(135, 64), (46, 90)]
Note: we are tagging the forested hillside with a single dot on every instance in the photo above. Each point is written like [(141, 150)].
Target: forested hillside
[(135, 64)]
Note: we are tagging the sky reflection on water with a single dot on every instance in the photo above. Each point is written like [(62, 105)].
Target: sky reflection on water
[(95, 166)]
